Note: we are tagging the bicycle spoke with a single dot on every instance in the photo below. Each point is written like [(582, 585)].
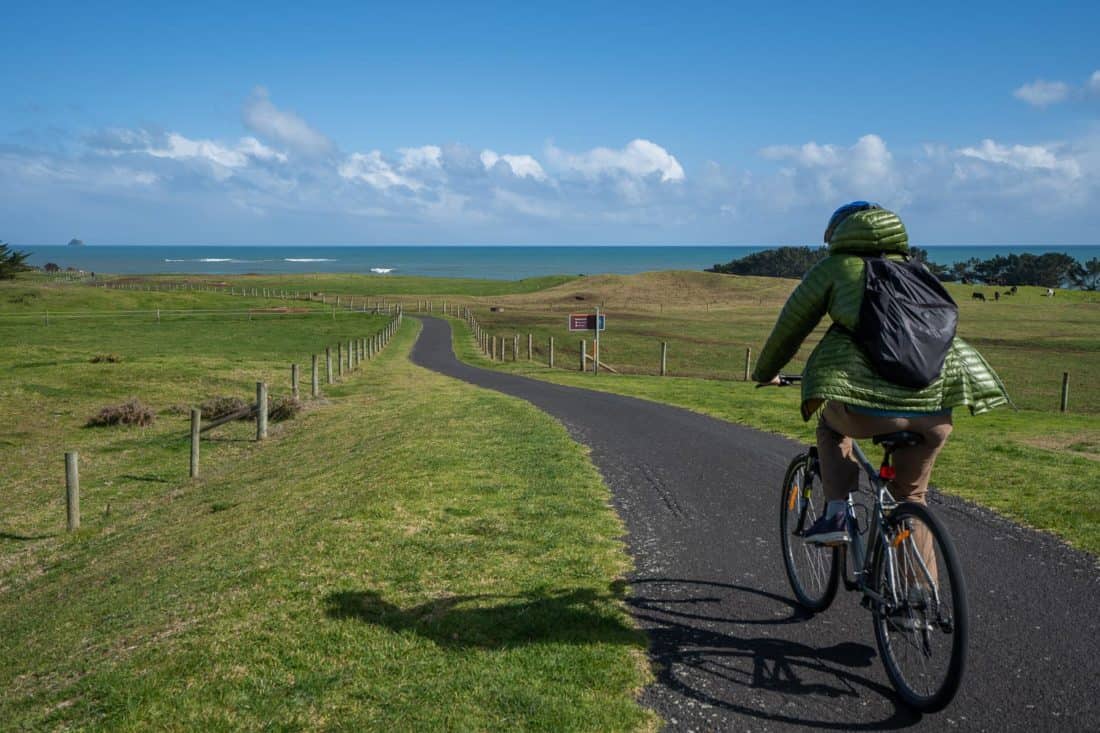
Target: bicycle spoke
[(809, 567), (923, 653)]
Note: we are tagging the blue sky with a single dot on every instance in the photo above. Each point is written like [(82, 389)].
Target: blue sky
[(549, 123)]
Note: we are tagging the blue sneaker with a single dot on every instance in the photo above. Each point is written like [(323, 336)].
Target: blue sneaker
[(827, 531)]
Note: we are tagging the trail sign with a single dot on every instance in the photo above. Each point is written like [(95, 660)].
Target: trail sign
[(586, 322)]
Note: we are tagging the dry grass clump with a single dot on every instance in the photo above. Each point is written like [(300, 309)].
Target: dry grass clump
[(216, 407), (284, 408), (130, 412), (105, 359)]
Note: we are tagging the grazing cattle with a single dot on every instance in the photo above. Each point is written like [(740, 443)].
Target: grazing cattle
[(1012, 290), (978, 296), (996, 295), (1049, 293)]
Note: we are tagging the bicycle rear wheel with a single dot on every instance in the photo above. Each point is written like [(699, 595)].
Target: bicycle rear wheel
[(922, 629), (812, 570)]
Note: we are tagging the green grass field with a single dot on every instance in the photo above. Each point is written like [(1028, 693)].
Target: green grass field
[(409, 553), (355, 284), (709, 320)]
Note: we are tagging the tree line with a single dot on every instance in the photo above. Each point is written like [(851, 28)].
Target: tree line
[(1051, 270)]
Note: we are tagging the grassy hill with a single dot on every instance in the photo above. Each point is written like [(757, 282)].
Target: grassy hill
[(409, 553)]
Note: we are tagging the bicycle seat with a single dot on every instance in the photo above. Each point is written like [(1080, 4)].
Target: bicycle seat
[(900, 439)]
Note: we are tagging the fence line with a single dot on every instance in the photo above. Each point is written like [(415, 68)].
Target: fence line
[(260, 410)]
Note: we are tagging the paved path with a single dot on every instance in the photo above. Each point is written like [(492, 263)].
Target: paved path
[(699, 499)]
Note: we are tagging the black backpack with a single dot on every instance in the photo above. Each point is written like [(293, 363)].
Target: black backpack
[(906, 321)]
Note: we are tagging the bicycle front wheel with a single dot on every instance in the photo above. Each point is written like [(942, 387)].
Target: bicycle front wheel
[(813, 570), (921, 627)]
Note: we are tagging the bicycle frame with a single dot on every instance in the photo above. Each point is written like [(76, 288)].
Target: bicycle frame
[(864, 557)]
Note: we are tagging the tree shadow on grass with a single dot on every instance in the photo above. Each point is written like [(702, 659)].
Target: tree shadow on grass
[(577, 616)]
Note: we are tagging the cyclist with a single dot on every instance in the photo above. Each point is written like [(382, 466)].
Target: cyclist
[(858, 402)]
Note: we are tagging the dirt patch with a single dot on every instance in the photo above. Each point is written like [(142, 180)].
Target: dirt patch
[(1084, 445)]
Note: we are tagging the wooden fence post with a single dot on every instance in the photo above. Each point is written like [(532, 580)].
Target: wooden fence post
[(261, 410), (515, 347), (196, 428), (530, 347), (550, 355), (493, 351), (316, 388), (584, 354), (748, 362), (328, 364), (294, 380), (664, 358), (340, 359), (1065, 391), (72, 491)]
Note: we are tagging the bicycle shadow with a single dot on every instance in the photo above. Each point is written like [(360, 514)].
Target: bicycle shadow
[(701, 656), (491, 621)]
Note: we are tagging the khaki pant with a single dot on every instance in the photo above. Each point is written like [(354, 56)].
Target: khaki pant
[(840, 471)]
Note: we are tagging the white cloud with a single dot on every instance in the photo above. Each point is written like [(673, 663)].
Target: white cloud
[(222, 159), (640, 158), (254, 148), (178, 147), (521, 166), (1093, 84), (1022, 157), (1040, 93), (809, 154), (285, 128), (829, 172), (977, 192), (426, 156), (373, 169)]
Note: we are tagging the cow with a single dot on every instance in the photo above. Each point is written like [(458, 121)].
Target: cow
[(996, 295), (978, 296), (1049, 293), (1012, 290)]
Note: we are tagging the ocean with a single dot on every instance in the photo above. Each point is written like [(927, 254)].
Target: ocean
[(492, 262)]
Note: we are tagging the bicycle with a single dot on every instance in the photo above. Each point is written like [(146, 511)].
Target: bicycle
[(916, 595)]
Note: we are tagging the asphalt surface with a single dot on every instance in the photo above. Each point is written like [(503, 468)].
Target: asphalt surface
[(699, 498)]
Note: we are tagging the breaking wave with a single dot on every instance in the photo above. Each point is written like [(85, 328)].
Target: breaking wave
[(214, 259)]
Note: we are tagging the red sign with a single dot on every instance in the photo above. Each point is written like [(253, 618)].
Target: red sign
[(586, 322)]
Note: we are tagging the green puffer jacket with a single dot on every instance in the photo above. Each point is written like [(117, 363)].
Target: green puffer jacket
[(838, 369)]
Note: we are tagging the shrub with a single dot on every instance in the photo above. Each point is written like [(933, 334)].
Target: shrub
[(130, 412), (105, 359), (216, 407), (284, 408)]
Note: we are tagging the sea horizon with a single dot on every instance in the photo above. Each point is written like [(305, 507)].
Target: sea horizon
[(494, 261)]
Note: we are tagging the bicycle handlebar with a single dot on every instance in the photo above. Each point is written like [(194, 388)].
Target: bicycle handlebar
[(785, 380)]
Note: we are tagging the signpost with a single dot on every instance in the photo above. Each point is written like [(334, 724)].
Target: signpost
[(588, 322)]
